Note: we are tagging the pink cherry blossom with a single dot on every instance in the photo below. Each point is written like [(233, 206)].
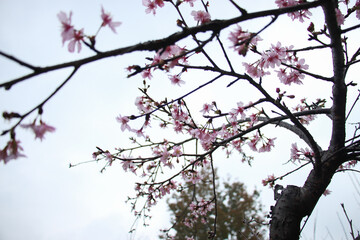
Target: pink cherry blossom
[(253, 142), (139, 132), (109, 157), (207, 108), (266, 147), (255, 70), (164, 154), (178, 126), (159, 3), (67, 32), (107, 20), (357, 7), (123, 120), (78, 37), (170, 51), (11, 151), (191, 2), (340, 18), (175, 79), (326, 192), (239, 110), (241, 40), (294, 15), (294, 152), (201, 16), (151, 6), (40, 129), (269, 180), (147, 73), (142, 104), (271, 59), (128, 164), (177, 151)]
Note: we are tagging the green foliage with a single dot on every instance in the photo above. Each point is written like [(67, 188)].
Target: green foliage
[(238, 215)]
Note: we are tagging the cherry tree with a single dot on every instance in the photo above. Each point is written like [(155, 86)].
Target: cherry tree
[(225, 51)]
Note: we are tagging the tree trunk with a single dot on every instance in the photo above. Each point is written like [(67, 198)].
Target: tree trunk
[(294, 203)]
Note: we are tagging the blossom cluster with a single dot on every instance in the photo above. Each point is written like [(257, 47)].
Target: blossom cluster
[(77, 37), (300, 15), (289, 67), (300, 154), (198, 210), (13, 150)]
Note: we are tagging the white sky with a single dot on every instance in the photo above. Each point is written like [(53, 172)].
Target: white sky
[(41, 198)]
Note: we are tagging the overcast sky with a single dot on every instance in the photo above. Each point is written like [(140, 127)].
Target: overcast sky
[(41, 198)]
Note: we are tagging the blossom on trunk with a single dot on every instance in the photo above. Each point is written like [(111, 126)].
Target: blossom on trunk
[(340, 18)]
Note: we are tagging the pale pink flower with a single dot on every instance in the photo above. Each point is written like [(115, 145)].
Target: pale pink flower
[(207, 108), (78, 37), (326, 192), (109, 157), (255, 70), (269, 180), (266, 147), (178, 126), (128, 164), (170, 51), (239, 110), (147, 73), (177, 151), (285, 3), (271, 59), (123, 120), (160, 3), (11, 151), (139, 132), (301, 14), (176, 80), (151, 6), (191, 2), (253, 142), (195, 177), (294, 152), (142, 105), (67, 32), (281, 51), (165, 155), (39, 130), (107, 20), (201, 16), (340, 18), (357, 6), (241, 40)]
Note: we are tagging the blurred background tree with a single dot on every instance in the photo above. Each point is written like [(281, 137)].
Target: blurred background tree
[(239, 213)]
